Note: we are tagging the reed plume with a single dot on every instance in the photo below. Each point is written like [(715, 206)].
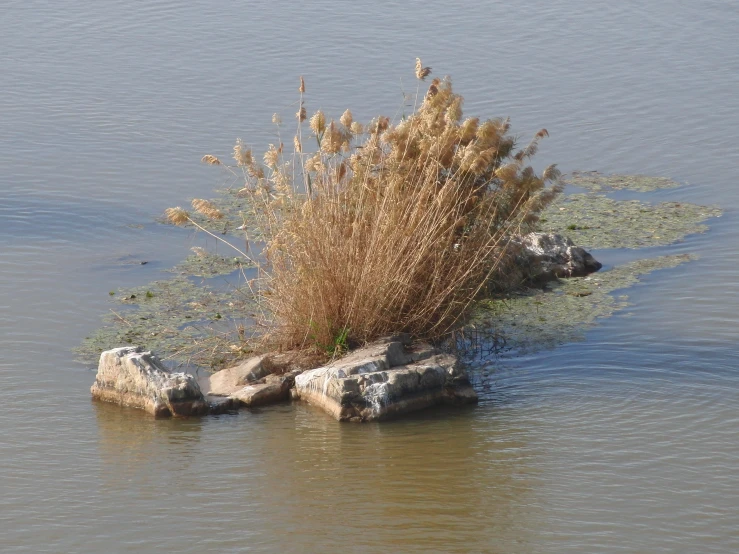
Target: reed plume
[(207, 208), (210, 160), (177, 216), (396, 226), (421, 72)]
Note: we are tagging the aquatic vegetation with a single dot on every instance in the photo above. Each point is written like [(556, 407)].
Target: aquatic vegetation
[(595, 181), (206, 264), (187, 322), (529, 320), (384, 227), (595, 221)]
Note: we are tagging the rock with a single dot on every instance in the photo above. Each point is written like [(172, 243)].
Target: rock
[(132, 377), (546, 256), (384, 380), (273, 389), (221, 404), (228, 381)]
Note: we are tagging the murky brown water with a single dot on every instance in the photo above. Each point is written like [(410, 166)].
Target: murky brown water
[(626, 442)]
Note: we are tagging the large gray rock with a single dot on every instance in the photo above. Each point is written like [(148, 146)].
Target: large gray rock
[(132, 377), (546, 256), (384, 380)]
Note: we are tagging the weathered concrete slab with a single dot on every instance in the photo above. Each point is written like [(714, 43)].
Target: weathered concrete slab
[(385, 380), (133, 377)]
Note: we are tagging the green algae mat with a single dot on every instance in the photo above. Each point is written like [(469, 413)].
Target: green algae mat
[(593, 220), (189, 320), (561, 312), (539, 318)]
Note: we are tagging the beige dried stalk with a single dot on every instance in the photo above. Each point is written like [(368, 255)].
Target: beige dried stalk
[(400, 228)]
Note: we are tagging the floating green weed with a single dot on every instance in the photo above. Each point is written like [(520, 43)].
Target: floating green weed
[(205, 264), (595, 221), (170, 317), (594, 181), (235, 210), (536, 319)]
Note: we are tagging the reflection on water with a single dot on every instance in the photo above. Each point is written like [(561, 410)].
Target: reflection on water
[(623, 442), (134, 447), (292, 468), (416, 479)]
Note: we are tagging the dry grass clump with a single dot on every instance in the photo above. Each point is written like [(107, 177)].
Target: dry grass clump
[(388, 227)]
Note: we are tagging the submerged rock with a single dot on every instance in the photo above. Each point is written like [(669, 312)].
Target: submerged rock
[(547, 256), (384, 380), (133, 377)]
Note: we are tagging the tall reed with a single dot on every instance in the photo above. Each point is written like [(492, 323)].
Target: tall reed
[(389, 227)]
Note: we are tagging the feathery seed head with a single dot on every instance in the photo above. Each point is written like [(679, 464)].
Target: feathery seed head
[(551, 173), (318, 122), (332, 139), (507, 173), (301, 89), (314, 163), (301, 115), (242, 154), (276, 119), (210, 160), (346, 119), (483, 161), (256, 171), (297, 145), (487, 131), (271, 157), (208, 209), (177, 215), (468, 129), (454, 112), (281, 182), (357, 128), (379, 124), (421, 72)]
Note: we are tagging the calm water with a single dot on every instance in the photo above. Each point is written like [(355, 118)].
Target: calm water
[(626, 442)]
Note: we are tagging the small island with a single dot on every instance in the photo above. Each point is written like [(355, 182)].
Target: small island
[(368, 261)]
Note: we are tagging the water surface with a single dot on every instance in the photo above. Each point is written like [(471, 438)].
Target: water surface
[(625, 442)]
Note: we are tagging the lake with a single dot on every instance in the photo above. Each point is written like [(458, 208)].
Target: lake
[(626, 441)]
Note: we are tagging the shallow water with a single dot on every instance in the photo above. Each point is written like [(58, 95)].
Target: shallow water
[(625, 442)]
